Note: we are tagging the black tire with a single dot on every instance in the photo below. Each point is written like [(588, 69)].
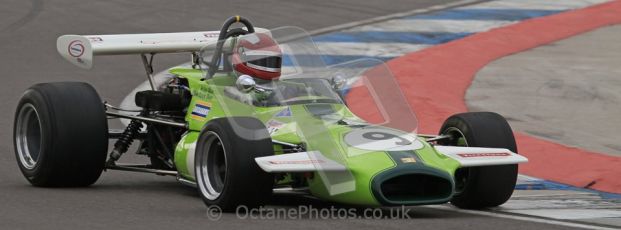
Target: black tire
[(238, 140), (60, 135), (484, 186)]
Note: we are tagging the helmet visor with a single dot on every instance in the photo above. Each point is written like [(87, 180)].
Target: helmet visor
[(270, 64), (262, 60)]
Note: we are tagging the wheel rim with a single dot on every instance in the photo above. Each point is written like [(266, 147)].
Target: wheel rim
[(461, 175), (211, 168), (457, 137), (28, 136)]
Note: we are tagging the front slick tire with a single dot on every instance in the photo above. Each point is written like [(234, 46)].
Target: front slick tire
[(60, 135), (483, 186), (226, 172)]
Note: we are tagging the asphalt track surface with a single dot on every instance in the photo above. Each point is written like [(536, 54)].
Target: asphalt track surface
[(28, 32), (580, 76)]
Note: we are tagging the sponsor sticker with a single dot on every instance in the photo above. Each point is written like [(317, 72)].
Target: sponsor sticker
[(211, 34), (201, 110), (408, 160), (284, 113), (95, 39), (274, 125), (469, 155), (76, 48)]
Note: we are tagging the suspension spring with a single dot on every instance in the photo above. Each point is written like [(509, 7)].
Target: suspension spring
[(125, 140)]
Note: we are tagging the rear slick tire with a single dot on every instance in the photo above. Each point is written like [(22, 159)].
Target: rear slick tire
[(60, 135)]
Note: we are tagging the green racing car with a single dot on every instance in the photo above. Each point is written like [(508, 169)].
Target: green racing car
[(257, 111)]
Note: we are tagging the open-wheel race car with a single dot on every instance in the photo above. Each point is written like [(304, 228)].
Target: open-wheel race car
[(258, 111)]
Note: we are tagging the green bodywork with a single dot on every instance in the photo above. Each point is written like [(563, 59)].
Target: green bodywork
[(367, 168)]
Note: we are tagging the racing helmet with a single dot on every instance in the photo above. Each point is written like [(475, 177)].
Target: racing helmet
[(257, 55)]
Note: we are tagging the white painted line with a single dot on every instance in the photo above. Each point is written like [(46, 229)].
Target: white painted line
[(526, 180), (393, 16), (433, 25), (536, 4), (584, 202), (552, 195), (523, 218), (571, 214), (373, 49)]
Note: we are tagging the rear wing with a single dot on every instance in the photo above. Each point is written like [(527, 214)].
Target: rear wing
[(80, 49)]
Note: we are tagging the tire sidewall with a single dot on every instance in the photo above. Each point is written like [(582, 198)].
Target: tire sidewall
[(487, 186), (74, 134), (37, 173), (245, 182), (225, 141)]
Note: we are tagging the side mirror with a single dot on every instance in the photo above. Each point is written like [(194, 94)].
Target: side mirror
[(245, 83), (338, 82)]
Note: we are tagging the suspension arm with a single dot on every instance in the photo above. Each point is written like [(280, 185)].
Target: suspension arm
[(148, 120)]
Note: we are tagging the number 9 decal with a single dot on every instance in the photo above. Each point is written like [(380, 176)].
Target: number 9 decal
[(382, 139)]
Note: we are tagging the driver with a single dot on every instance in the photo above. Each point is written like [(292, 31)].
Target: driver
[(259, 56)]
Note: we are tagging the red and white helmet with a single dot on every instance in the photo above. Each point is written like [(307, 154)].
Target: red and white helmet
[(257, 55)]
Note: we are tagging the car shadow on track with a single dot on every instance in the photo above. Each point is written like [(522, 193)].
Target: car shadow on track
[(298, 202), (141, 186)]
